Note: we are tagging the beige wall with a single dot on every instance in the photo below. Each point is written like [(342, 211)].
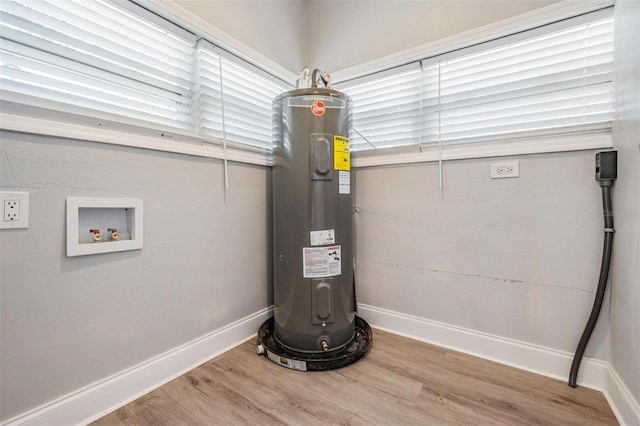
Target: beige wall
[(274, 28), (343, 33), (336, 34), (625, 273), (69, 322), (517, 258)]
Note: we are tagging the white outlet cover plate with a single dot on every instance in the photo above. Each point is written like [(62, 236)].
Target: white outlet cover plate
[(505, 169), (23, 197)]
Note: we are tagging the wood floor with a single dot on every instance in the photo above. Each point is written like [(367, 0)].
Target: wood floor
[(401, 382)]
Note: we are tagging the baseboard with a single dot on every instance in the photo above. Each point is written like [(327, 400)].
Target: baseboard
[(624, 406), (525, 356), (593, 373), (93, 402)]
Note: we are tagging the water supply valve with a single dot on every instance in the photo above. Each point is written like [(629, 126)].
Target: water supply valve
[(97, 235), (115, 235)]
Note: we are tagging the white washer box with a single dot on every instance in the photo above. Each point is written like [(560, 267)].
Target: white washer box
[(103, 214)]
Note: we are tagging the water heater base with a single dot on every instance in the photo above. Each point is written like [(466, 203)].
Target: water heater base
[(357, 349)]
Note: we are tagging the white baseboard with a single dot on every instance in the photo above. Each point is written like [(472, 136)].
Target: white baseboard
[(522, 355), (93, 402), (624, 406), (593, 373)]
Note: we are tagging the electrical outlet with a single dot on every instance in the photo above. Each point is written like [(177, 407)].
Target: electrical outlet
[(15, 210), (11, 209), (507, 169), (504, 170)]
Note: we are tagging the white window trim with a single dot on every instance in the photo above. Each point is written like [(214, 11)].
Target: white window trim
[(548, 144), (26, 114)]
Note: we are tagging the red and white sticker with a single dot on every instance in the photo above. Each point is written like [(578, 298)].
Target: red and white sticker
[(318, 108), (319, 262)]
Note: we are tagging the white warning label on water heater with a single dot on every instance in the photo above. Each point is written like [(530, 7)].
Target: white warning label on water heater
[(344, 182), (322, 238), (321, 262)]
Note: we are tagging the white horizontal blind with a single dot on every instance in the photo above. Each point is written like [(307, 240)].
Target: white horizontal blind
[(246, 92), (560, 82), (247, 104), (207, 95), (97, 55), (386, 108), (114, 56)]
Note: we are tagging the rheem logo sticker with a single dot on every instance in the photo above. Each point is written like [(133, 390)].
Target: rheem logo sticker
[(318, 108)]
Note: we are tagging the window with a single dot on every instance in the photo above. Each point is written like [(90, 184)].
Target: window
[(119, 58), (554, 80), (386, 108), (97, 55), (234, 98), (116, 57)]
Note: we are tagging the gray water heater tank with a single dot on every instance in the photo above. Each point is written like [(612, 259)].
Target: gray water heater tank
[(313, 235)]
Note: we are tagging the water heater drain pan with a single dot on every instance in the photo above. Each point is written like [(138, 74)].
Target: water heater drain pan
[(359, 346)]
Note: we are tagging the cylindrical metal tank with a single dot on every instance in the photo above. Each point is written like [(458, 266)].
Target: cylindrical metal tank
[(313, 220)]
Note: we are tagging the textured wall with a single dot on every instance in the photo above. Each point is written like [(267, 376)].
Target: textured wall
[(274, 28), (518, 258), (335, 34), (69, 322), (625, 300), (343, 33)]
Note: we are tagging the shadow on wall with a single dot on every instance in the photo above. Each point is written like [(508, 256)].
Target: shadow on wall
[(269, 236)]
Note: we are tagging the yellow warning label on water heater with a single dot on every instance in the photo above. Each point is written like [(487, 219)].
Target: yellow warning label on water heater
[(341, 156)]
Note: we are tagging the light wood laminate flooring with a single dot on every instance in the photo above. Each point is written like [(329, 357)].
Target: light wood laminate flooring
[(401, 382)]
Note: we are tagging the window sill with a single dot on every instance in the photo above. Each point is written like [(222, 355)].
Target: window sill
[(547, 144), (22, 114), (65, 122)]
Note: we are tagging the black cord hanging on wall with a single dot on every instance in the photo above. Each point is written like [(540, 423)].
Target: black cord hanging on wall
[(606, 174)]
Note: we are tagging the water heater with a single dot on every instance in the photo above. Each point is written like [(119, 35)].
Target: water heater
[(314, 325)]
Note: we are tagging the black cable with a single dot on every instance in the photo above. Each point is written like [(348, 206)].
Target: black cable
[(602, 282)]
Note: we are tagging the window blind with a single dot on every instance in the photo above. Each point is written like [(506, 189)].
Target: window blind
[(117, 57), (532, 84), (562, 81), (234, 98), (247, 104), (386, 108), (207, 93), (97, 55)]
